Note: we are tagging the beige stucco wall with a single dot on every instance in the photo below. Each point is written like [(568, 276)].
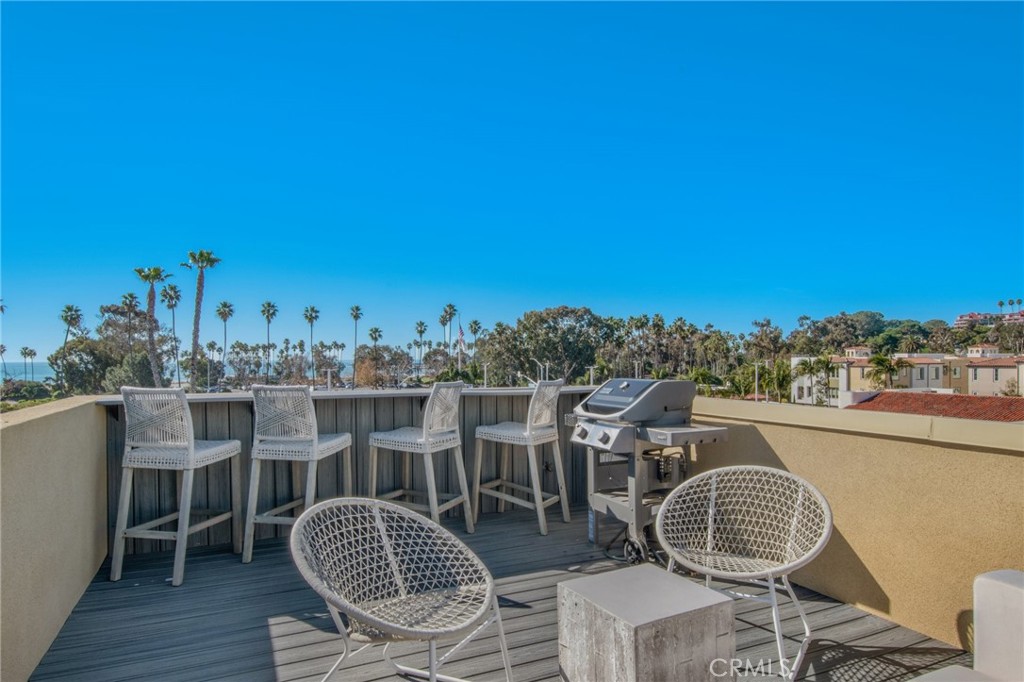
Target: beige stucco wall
[(986, 383), (921, 505), (53, 507)]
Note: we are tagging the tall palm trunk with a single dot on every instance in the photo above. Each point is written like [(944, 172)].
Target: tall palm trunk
[(154, 361), (194, 360)]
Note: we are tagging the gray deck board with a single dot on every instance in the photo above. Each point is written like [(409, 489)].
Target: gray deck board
[(260, 621)]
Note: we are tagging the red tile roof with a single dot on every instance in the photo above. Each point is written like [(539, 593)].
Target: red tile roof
[(989, 408), (994, 362)]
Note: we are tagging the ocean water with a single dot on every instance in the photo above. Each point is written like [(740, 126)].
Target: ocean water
[(16, 369)]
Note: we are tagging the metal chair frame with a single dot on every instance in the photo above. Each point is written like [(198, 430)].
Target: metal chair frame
[(541, 427), (160, 435), (752, 525), (440, 432), (396, 576), (286, 430)]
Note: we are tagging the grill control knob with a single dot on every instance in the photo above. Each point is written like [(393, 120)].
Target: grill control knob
[(582, 432), (604, 438)]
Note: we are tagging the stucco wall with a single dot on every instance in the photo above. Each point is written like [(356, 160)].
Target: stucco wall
[(921, 504), (53, 511)]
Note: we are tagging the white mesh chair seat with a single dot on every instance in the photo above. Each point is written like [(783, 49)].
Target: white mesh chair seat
[(747, 524), (159, 434), (516, 433), (286, 430), (205, 452), (286, 449), (541, 427), (411, 439), (440, 432), (396, 576)]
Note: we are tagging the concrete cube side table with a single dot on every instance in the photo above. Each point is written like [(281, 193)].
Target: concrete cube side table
[(643, 624)]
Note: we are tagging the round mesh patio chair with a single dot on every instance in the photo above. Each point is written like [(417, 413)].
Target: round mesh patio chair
[(396, 576), (440, 432), (159, 435), (286, 430), (541, 427), (747, 524)]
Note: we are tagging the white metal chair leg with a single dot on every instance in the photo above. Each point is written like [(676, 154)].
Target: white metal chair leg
[(501, 641), (117, 559), (460, 472), (478, 459), (310, 484), (181, 539), (798, 660), (250, 514), (563, 496), (428, 467), (538, 496), (372, 481), (236, 504), (348, 484)]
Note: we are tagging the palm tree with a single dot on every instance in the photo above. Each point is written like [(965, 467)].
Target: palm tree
[(474, 329), (170, 296), (224, 311), (356, 312), (1000, 304), (911, 343), (883, 368), (27, 353), (807, 367), (211, 348), (312, 315), (3, 349), (375, 335), (130, 303), (152, 276), (450, 311), (71, 316), (269, 312), (201, 261), (1019, 301), (421, 329)]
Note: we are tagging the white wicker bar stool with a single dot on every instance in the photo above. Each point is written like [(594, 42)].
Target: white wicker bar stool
[(440, 431), (159, 435), (541, 427), (397, 577), (286, 430), (748, 524)]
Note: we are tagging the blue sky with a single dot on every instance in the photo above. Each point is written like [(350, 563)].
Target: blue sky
[(721, 162)]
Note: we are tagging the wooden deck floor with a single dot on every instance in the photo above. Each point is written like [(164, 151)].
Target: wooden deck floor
[(261, 622)]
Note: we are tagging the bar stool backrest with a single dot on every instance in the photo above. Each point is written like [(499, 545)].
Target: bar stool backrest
[(543, 405), (158, 419), (284, 413), (441, 413)]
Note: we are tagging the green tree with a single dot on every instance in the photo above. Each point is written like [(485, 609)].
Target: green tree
[(71, 316), (421, 329), (269, 311), (475, 328), (375, 336), (3, 350), (884, 368), (152, 277), (224, 311), (311, 315), (201, 261), (170, 296), (28, 354), (357, 313), (130, 303), (1000, 304)]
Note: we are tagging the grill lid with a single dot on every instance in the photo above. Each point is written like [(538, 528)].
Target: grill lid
[(647, 402)]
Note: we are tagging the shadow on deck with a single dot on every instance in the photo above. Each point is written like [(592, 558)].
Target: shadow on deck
[(261, 622)]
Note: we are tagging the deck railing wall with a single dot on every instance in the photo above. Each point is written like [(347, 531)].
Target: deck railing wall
[(921, 504), (357, 412)]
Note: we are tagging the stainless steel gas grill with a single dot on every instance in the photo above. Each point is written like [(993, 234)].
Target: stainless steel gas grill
[(644, 426)]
